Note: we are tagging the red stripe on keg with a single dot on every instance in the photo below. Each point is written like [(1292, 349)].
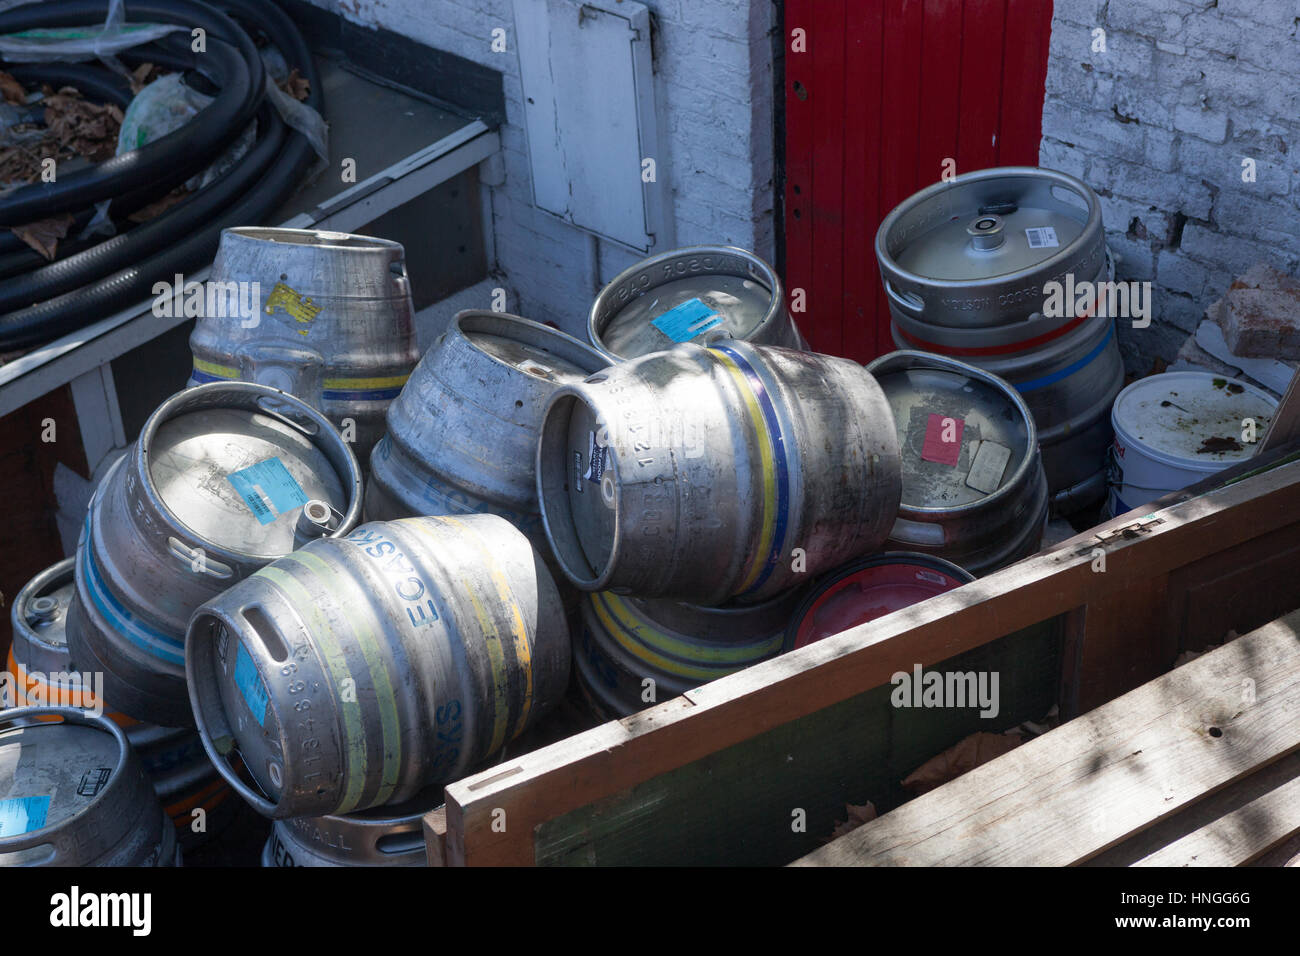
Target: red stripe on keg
[(997, 349)]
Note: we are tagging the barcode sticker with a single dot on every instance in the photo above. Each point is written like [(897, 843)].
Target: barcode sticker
[(686, 321), (250, 685), (271, 479), (22, 815), (1042, 237)]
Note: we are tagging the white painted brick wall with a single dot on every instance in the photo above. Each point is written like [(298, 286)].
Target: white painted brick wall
[(714, 86), (1159, 124)]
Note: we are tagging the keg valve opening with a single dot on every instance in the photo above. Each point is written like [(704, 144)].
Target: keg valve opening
[(986, 232), (316, 520)]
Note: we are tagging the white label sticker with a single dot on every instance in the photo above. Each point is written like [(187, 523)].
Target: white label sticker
[(1042, 237)]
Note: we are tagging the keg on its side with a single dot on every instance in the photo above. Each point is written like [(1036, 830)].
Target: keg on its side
[(44, 675), (679, 295), (974, 492), (966, 267), (462, 436), (383, 836), (636, 653), (419, 646), (224, 478), (332, 322), (73, 793), (710, 474)]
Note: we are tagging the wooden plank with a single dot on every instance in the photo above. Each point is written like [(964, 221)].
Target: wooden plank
[(1072, 793), (1237, 826), (613, 757), (435, 836), (1286, 422), (1111, 660)]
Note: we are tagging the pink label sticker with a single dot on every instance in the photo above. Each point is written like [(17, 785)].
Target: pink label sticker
[(943, 439)]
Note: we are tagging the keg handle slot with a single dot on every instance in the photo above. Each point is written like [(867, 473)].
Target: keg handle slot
[(1003, 207), (280, 411), (392, 844), (908, 302), (197, 561)]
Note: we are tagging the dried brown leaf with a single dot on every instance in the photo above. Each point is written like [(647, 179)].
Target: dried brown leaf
[(976, 749), (13, 91), (296, 85), (44, 235)]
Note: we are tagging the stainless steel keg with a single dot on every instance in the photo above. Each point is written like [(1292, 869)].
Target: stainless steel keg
[(462, 436), (974, 492), (73, 793), (634, 653), (417, 647), (331, 322), (216, 486), (711, 474), (967, 265), (384, 836), (678, 296)]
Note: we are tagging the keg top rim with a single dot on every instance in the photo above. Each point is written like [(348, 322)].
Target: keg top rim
[(321, 238), (471, 322), (56, 576)]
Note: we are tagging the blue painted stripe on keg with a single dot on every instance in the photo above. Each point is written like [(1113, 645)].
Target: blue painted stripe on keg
[(684, 322), (144, 636), (250, 685), (272, 479), (1037, 383), (23, 815), (776, 440), (203, 378), (360, 394)]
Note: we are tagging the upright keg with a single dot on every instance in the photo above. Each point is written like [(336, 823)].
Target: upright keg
[(332, 322), (680, 295), (974, 492), (462, 436), (383, 836), (635, 653), (73, 793), (419, 647), (867, 589), (711, 474), (966, 266), (224, 478), (44, 675)]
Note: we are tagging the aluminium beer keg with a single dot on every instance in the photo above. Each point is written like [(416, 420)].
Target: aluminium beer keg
[(73, 793), (462, 436), (707, 474), (332, 322), (966, 266), (223, 479), (679, 295), (974, 492), (420, 647), (382, 836)]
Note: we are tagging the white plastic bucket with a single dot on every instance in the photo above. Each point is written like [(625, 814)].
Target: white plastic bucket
[(1169, 429)]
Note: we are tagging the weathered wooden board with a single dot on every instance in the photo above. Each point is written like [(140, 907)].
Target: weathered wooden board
[(1074, 792)]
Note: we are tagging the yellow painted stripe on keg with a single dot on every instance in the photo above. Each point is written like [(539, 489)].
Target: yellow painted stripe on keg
[(354, 741), (491, 641), (518, 631), (390, 381), (653, 638), (643, 653), (385, 696), (212, 368), (758, 559)]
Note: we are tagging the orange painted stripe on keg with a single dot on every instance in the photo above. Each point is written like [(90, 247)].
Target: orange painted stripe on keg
[(25, 683), (519, 630), (209, 797)]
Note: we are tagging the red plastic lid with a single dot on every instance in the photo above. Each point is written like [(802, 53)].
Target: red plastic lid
[(881, 587)]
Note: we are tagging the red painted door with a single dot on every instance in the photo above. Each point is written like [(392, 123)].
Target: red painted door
[(879, 93)]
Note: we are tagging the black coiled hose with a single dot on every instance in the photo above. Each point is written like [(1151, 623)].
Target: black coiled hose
[(52, 299)]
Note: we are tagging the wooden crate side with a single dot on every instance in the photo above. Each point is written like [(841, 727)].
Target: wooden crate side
[(770, 799)]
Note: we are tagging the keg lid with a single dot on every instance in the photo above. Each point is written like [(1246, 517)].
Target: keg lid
[(679, 296), (1192, 419), (870, 589), (963, 434), (50, 772), (236, 467), (39, 617)]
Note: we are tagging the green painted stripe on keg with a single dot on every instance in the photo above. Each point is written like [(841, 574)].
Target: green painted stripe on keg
[(647, 634), (385, 696), (354, 742), (643, 653)]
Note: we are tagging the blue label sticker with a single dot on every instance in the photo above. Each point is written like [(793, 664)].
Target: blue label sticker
[(22, 815), (268, 480), (250, 685), (687, 320)]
